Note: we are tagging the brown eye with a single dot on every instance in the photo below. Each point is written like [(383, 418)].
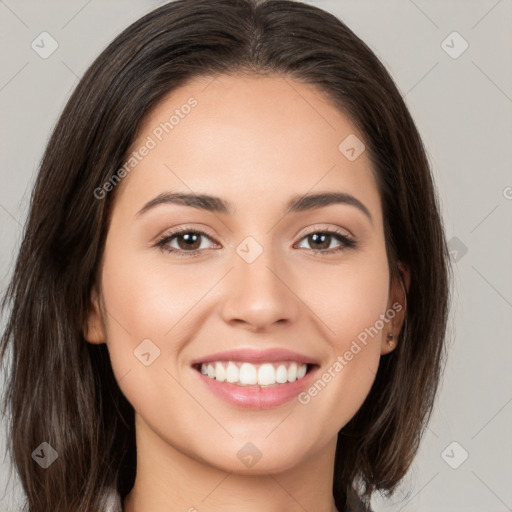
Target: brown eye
[(183, 242), (320, 241), (188, 241)]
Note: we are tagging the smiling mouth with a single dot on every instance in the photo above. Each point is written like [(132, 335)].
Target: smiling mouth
[(257, 375)]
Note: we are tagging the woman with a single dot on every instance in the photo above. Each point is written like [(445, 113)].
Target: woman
[(232, 290)]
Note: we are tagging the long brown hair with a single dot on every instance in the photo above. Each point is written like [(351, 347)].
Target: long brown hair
[(61, 389)]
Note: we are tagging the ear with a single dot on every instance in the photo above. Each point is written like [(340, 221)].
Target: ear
[(396, 308), (94, 331)]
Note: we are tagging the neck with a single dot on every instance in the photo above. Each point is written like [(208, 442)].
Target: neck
[(168, 478)]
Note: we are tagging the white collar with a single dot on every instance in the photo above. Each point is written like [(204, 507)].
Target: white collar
[(111, 500)]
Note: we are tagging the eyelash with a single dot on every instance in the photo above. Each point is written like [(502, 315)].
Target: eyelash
[(347, 242)]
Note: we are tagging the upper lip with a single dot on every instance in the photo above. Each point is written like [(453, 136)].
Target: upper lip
[(256, 356)]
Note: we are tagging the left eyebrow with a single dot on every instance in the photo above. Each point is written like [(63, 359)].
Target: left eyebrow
[(314, 201), (296, 204)]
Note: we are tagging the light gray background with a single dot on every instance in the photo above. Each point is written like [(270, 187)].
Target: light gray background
[(462, 107)]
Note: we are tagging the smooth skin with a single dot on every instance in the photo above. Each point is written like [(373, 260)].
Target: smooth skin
[(256, 142)]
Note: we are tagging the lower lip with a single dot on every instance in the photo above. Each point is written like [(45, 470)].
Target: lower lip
[(258, 397)]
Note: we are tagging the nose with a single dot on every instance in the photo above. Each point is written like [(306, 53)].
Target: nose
[(258, 295)]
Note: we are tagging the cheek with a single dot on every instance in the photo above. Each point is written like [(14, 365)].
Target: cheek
[(349, 299), (139, 313), (147, 310), (147, 300), (153, 307), (360, 303)]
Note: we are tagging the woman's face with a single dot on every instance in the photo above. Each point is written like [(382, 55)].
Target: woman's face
[(253, 288)]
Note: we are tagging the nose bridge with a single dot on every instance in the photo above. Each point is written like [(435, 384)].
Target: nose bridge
[(255, 267), (256, 293)]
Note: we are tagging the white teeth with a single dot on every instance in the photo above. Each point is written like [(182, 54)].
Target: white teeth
[(232, 372), (220, 372), (281, 374), (301, 371), (248, 374), (292, 372), (266, 374)]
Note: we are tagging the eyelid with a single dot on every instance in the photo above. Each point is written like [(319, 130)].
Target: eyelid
[(319, 228), (162, 240), (348, 241), (312, 229), (185, 228)]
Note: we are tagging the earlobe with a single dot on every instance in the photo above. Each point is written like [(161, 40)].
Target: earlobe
[(94, 331), (397, 308)]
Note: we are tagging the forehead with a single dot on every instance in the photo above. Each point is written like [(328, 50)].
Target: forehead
[(247, 137)]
